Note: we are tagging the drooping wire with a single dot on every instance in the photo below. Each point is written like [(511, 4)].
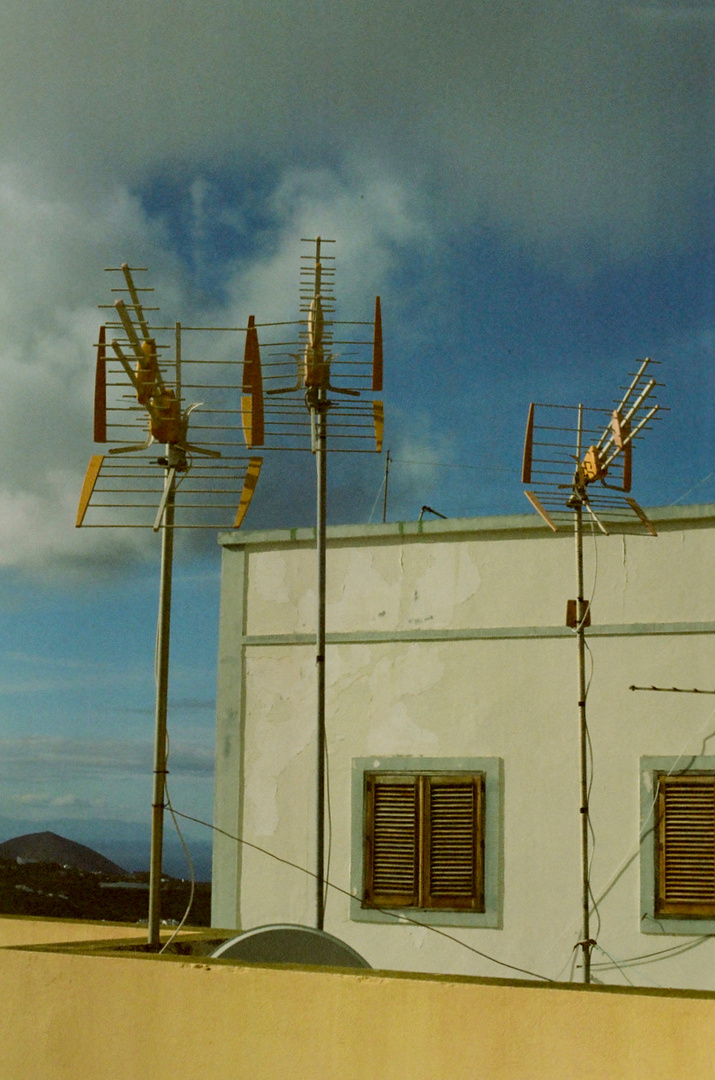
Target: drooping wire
[(692, 489), (614, 963), (330, 824), (645, 831), (186, 852), (648, 827), (590, 767), (192, 873), (374, 505), (169, 806), (400, 917), (670, 953)]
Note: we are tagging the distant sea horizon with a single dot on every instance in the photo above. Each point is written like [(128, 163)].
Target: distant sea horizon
[(124, 842)]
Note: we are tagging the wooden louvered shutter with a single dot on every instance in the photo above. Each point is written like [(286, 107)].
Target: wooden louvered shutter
[(453, 865), (685, 845), (391, 840)]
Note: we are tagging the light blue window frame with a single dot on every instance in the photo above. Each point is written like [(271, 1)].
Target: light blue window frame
[(493, 770)]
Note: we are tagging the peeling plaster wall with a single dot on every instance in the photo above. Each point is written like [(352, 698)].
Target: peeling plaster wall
[(451, 643)]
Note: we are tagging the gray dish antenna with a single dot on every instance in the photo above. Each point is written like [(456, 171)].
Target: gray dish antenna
[(285, 943)]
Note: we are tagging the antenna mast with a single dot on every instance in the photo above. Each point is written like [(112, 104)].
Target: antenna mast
[(131, 487), (595, 480), (356, 420)]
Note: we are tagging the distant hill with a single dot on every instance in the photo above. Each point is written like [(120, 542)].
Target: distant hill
[(48, 847), (126, 843)]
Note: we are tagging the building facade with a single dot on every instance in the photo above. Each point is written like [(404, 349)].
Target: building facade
[(454, 824)]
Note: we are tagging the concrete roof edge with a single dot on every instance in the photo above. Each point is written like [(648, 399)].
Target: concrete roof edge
[(694, 515)]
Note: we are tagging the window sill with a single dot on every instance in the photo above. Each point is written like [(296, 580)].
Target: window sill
[(685, 927), (488, 920)]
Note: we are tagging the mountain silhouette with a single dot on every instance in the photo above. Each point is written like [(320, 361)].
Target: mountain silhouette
[(48, 847)]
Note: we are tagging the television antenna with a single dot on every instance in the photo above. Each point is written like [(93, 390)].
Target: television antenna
[(201, 471), (302, 388), (578, 459)]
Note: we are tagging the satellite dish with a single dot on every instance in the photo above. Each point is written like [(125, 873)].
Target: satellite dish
[(284, 943)]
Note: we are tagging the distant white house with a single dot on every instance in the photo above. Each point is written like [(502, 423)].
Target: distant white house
[(453, 744)]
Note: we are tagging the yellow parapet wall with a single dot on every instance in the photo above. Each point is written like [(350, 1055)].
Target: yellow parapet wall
[(77, 1013), (31, 930)]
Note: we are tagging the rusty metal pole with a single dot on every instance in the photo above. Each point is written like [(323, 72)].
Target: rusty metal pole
[(162, 685)]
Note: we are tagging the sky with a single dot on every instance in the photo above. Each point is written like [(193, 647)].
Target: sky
[(530, 190)]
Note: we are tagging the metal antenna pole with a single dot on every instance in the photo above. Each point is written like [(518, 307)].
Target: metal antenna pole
[(581, 612), (320, 407), (581, 609), (162, 683), (387, 473), (577, 489)]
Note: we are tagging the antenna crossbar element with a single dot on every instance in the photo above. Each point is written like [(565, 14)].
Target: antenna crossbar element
[(671, 690)]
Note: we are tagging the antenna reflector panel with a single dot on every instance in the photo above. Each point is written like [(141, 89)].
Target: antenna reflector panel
[(100, 390), (377, 349)]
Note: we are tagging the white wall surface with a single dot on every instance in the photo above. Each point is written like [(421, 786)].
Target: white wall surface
[(447, 640)]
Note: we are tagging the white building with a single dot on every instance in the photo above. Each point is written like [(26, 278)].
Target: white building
[(452, 690)]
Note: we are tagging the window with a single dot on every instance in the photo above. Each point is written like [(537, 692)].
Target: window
[(685, 845), (427, 836), (677, 848), (424, 840)]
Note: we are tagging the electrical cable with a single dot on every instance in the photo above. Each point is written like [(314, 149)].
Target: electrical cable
[(671, 953), (589, 820), (590, 767), (614, 963), (400, 917), (330, 826), (646, 830), (189, 860), (692, 489), (646, 827), (374, 505), (169, 806)]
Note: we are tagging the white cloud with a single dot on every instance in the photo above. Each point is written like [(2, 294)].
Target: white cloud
[(66, 803), (585, 131), (50, 757), (559, 120)]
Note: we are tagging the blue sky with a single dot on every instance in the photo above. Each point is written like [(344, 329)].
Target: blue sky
[(529, 189)]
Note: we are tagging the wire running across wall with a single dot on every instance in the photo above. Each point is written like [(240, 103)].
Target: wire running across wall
[(646, 830), (398, 916)]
